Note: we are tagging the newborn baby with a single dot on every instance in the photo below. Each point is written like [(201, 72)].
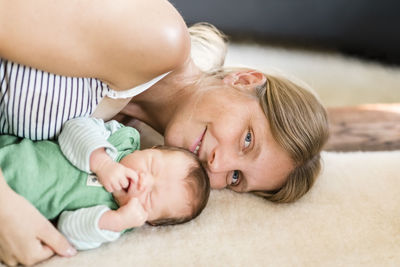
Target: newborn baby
[(166, 185)]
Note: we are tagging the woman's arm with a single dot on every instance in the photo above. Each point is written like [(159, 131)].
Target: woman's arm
[(25, 235), (122, 42)]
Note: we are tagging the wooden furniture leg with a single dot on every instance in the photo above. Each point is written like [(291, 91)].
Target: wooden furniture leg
[(373, 127)]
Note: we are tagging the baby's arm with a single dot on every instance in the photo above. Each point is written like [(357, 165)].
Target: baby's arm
[(88, 228), (84, 143), (128, 216), (81, 228)]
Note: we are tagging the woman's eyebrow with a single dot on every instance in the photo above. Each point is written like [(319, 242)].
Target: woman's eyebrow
[(256, 151), (244, 184), (257, 144), (256, 132)]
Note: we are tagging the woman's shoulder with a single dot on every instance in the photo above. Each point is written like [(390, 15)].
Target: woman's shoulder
[(123, 42), (144, 40)]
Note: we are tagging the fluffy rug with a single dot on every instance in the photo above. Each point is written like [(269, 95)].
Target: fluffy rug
[(351, 217), (338, 80)]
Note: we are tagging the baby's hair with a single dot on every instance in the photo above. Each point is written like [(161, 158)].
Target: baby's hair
[(198, 184)]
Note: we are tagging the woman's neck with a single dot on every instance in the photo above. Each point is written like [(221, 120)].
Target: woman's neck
[(157, 105)]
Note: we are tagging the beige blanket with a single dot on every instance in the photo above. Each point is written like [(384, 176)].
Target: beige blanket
[(351, 217)]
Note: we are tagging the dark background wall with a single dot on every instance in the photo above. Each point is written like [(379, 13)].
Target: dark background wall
[(366, 28)]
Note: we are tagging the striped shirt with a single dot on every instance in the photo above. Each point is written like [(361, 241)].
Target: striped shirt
[(35, 104)]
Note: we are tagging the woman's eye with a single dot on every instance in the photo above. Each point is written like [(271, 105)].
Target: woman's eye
[(235, 178), (247, 140)]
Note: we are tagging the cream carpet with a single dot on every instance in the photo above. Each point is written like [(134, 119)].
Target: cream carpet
[(338, 80), (351, 217)]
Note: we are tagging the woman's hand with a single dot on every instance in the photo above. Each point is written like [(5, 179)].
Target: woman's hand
[(25, 235)]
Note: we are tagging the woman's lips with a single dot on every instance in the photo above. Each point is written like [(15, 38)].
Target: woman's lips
[(195, 148)]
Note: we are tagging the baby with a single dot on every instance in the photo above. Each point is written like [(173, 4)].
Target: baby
[(160, 186)]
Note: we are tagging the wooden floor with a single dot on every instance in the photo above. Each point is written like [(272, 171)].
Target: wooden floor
[(364, 128)]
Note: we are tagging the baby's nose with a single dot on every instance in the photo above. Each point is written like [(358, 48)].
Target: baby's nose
[(146, 182)]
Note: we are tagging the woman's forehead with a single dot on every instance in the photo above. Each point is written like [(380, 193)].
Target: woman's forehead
[(229, 97)]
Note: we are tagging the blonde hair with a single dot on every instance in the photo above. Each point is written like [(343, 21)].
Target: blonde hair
[(208, 46), (298, 122), (297, 119)]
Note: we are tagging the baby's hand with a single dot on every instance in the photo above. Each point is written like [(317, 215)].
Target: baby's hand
[(115, 176), (133, 213)]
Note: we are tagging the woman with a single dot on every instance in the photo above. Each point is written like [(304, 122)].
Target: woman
[(253, 132)]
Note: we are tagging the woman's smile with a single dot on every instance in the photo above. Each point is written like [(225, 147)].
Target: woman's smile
[(195, 148)]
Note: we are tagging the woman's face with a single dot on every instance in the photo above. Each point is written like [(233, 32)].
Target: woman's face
[(229, 132)]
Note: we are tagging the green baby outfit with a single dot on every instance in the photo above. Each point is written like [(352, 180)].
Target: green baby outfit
[(39, 172)]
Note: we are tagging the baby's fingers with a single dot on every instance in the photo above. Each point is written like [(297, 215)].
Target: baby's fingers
[(109, 187), (124, 182), (117, 184), (131, 174), (138, 212)]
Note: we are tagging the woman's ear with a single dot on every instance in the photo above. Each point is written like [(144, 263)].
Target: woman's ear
[(245, 78)]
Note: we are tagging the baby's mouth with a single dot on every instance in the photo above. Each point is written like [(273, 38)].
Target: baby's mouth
[(130, 187), (126, 189)]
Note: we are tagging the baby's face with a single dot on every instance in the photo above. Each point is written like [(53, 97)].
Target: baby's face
[(161, 187)]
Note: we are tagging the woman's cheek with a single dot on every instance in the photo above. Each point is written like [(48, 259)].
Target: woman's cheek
[(171, 139)]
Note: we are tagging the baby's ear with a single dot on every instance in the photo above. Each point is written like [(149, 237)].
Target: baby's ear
[(245, 78)]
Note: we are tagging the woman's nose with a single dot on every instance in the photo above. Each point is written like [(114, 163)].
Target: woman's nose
[(218, 165), (219, 160)]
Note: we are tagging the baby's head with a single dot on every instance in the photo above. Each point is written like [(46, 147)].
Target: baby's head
[(173, 186)]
